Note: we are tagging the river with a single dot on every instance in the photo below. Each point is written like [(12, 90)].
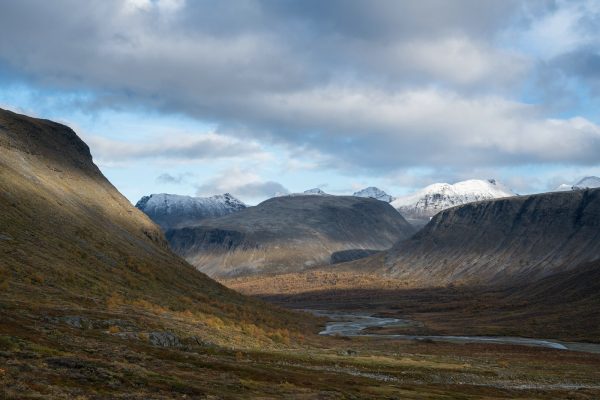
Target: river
[(354, 324)]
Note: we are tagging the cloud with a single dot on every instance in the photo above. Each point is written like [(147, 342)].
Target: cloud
[(173, 179), (173, 147), (355, 86), (428, 128), (241, 183)]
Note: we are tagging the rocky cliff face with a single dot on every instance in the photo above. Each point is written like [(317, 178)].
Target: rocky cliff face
[(513, 239), (288, 234)]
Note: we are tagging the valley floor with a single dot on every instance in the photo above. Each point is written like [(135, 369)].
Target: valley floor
[(558, 307), (62, 353)]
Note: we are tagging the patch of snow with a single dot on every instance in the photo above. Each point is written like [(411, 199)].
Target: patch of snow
[(309, 192), (164, 203), (440, 196), (315, 191), (374, 193)]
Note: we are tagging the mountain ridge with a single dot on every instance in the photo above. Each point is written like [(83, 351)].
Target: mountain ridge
[(420, 206), (287, 233), (502, 240), (172, 211), (375, 193)]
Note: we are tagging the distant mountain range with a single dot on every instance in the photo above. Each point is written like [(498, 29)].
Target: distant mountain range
[(173, 211)]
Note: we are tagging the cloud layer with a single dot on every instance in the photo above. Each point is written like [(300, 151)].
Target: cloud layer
[(375, 87), (173, 147), (241, 183)]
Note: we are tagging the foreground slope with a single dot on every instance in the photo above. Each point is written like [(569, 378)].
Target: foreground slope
[(289, 233), (69, 239)]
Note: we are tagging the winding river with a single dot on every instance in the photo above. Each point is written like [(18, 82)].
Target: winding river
[(354, 324)]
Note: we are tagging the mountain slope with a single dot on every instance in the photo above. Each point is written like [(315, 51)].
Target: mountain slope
[(419, 207), (70, 240), (513, 239), (374, 193), (175, 211), (288, 233)]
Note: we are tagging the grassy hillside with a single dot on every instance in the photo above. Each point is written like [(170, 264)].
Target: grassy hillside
[(70, 241)]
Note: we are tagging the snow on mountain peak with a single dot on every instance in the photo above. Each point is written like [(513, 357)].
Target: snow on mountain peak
[(436, 197), (315, 191), (167, 201), (374, 193), (170, 210)]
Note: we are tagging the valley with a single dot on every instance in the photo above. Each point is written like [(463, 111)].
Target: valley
[(94, 303), (299, 200)]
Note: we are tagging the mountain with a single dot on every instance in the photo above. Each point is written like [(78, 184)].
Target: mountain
[(589, 182), (315, 191), (74, 251), (374, 193), (289, 233), (513, 239), (174, 211), (420, 206)]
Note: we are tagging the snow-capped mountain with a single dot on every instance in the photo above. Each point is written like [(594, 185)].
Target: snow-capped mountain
[(419, 207), (589, 182), (374, 193), (315, 191), (172, 210)]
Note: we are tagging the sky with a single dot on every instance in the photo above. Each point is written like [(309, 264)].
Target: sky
[(264, 97)]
